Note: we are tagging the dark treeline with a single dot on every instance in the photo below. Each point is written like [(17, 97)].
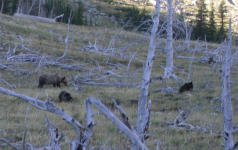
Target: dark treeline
[(45, 8), (205, 26)]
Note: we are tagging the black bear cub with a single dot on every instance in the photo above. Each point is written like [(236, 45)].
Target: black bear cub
[(211, 60), (64, 96), (186, 87)]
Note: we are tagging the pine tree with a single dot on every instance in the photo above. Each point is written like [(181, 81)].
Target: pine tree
[(212, 31), (200, 28), (222, 15)]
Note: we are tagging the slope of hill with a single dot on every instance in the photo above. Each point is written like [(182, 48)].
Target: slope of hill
[(112, 7), (109, 65)]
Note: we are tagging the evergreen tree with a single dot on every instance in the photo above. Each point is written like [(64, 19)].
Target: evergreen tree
[(200, 28), (212, 31), (222, 15)]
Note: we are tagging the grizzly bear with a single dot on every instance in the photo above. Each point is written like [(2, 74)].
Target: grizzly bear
[(51, 79), (186, 87), (64, 96)]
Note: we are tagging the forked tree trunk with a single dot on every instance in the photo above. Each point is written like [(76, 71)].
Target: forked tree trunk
[(142, 113), (226, 99), (168, 71)]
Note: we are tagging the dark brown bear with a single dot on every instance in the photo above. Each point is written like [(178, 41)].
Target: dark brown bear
[(186, 87), (51, 79), (64, 96)]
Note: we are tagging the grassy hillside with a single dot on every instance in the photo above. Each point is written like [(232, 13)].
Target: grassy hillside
[(115, 48)]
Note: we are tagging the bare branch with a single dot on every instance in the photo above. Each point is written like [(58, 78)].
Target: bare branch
[(46, 106), (130, 134), (8, 143), (55, 137), (25, 129), (124, 117)]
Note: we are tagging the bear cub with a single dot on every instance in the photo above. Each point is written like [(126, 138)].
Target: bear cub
[(186, 87), (65, 96)]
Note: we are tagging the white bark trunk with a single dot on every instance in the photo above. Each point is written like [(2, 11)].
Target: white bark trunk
[(66, 41), (168, 71), (226, 99), (2, 6), (39, 8), (123, 128), (19, 6), (142, 112)]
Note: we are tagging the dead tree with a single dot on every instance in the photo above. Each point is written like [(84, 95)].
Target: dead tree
[(2, 6), (82, 140), (226, 98), (143, 112), (46, 106), (39, 8), (125, 128), (54, 136), (66, 41), (168, 71)]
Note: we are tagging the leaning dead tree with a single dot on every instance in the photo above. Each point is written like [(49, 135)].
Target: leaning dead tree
[(168, 71), (226, 98), (143, 111), (49, 107), (81, 141)]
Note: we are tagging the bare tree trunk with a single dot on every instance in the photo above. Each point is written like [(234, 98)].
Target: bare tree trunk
[(39, 8), (32, 4), (168, 71), (66, 41), (131, 135), (2, 6), (142, 113), (226, 99), (19, 6)]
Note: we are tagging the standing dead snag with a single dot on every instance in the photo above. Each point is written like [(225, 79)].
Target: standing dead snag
[(168, 71), (143, 112), (226, 98), (66, 41)]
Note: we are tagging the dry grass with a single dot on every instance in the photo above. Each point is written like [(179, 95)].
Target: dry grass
[(47, 38)]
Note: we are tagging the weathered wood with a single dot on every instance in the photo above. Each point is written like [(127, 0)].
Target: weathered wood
[(37, 18), (124, 117), (46, 106), (110, 84), (89, 125), (54, 136), (13, 146), (168, 71), (180, 122), (142, 112), (226, 98), (130, 134), (66, 40)]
